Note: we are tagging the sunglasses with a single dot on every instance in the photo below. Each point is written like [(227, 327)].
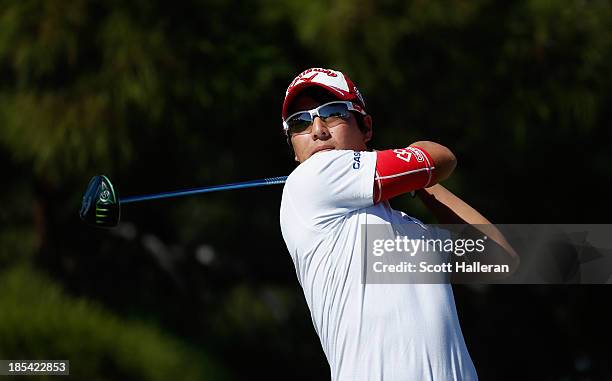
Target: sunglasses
[(332, 113)]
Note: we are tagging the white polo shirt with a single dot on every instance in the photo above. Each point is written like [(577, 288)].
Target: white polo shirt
[(367, 331)]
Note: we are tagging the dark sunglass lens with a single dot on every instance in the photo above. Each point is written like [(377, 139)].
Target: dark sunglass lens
[(300, 122), (334, 110)]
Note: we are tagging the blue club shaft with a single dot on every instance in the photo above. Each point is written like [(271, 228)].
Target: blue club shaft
[(214, 188)]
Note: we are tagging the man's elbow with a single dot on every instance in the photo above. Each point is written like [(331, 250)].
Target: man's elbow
[(445, 164), (444, 160)]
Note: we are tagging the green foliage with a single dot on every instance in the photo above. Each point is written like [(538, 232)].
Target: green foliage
[(38, 321), (18, 238), (165, 95), (247, 311), (56, 101), (498, 78)]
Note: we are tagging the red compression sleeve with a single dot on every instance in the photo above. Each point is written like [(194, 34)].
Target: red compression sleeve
[(400, 171)]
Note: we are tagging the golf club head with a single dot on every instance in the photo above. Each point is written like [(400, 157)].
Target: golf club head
[(100, 207)]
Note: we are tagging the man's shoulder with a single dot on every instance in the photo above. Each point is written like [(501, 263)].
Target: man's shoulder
[(330, 184), (318, 160), (329, 164)]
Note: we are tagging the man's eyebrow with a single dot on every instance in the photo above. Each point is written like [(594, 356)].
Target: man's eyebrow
[(292, 109)]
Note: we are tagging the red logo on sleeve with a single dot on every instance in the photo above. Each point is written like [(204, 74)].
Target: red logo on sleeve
[(395, 177)]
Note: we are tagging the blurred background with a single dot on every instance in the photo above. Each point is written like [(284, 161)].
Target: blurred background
[(165, 95)]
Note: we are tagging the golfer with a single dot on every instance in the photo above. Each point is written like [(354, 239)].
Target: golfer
[(368, 331)]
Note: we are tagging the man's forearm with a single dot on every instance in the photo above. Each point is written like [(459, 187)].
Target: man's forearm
[(450, 209)]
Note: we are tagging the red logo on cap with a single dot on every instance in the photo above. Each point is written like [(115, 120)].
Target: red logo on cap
[(309, 78), (300, 77)]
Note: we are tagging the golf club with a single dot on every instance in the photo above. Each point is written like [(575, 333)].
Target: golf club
[(101, 206)]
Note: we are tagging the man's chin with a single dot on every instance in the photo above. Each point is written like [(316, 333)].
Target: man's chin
[(322, 150), (316, 152)]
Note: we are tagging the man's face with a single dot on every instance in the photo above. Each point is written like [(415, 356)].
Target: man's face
[(344, 135)]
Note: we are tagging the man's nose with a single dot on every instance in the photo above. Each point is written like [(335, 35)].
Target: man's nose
[(319, 129)]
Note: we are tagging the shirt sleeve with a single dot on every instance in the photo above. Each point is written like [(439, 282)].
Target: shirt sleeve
[(330, 185)]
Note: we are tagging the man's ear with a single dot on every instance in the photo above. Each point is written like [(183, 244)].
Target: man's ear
[(367, 121)]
